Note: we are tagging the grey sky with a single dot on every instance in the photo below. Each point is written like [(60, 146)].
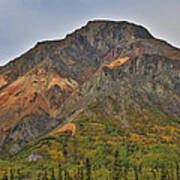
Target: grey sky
[(24, 22)]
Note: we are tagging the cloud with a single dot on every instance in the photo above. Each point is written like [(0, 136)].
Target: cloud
[(24, 22)]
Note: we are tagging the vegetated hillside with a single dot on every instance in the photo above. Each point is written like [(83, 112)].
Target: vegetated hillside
[(120, 87), (113, 148)]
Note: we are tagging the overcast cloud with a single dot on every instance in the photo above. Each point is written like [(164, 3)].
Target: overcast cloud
[(24, 22)]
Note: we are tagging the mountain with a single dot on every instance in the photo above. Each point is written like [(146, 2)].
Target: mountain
[(110, 77)]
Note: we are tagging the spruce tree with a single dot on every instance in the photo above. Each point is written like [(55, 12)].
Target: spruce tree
[(19, 175), (60, 176), (78, 173), (136, 173), (172, 171), (88, 169), (45, 177), (75, 149), (116, 167), (126, 169), (75, 174), (66, 175), (163, 173), (28, 175), (81, 173), (154, 173), (52, 174), (177, 171), (11, 174), (39, 176)]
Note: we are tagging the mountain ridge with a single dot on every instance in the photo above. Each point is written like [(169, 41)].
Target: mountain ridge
[(40, 90), (89, 22)]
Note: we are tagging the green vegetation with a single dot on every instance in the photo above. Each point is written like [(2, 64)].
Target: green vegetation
[(103, 149)]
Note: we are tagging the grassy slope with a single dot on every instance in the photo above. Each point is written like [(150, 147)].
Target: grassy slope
[(151, 141)]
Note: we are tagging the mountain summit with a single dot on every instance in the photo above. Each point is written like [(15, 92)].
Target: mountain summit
[(117, 66)]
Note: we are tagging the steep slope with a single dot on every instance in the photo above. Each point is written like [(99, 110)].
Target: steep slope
[(56, 80), (147, 80)]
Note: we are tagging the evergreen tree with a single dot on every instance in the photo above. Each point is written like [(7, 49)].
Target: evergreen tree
[(20, 175), (60, 176), (140, 168), (75, 149), (154, 173), (126, 169), (28, 175), (11, 174), (52, 174), (177, 171), (172, 171), (136, 173), (88, 169), (78, 173), (163, 173), (75, 174), (66, 175), (116, 167), (39, 176), (45, 177), (81, 173)]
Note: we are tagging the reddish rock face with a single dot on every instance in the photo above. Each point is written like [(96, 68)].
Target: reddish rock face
[(67, 127), (55, 80), (29, 93), (117, 62), (3, 82)]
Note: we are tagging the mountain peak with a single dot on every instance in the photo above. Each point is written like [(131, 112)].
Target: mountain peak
[(44, 82), (124, 28)]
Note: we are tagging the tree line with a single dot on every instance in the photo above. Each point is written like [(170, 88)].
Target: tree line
[(85, 171)]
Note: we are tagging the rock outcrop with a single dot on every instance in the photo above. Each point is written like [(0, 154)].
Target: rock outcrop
[(105, 62)]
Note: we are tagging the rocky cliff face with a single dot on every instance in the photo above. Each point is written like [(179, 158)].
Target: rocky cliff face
[(141, 83), (116, 64)]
